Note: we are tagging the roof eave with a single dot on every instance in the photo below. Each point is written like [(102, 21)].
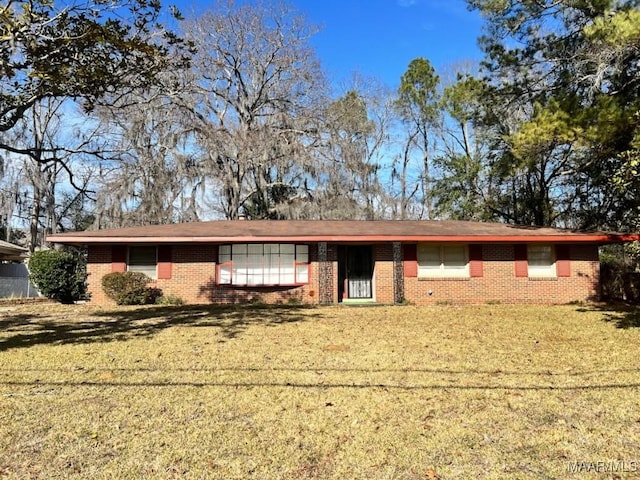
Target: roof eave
[(560, 238)]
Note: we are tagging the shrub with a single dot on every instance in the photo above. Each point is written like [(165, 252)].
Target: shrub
[(612, 277), (58, 275), (169, 300), (632, 287), (256, 300), (129, 288)]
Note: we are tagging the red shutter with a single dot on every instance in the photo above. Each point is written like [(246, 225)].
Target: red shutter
[(563, 261), (520, 253), (164, 261), (119, 258), (475, 261), (410, 257)]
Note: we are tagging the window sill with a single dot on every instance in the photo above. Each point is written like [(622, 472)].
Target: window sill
[(263, 285), (543, 279), (455, 279)]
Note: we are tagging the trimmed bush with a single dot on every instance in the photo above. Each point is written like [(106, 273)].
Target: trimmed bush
[(169, 300), (129, 288), (58, 275)]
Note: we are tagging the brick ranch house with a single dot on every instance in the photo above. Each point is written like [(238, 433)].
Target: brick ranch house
[(325, 262)]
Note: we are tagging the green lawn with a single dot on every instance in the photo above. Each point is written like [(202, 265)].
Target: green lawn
[(302, 393)]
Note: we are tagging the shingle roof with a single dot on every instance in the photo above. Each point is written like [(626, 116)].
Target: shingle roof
[(334, 231)]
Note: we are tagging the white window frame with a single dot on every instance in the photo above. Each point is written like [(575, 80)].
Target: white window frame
[(541, 270), (263, 264), (440, 269), (149, 269)]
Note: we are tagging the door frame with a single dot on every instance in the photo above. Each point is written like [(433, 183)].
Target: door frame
[(345, 256)]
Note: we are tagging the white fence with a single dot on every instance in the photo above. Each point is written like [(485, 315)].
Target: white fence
[(14, 281)]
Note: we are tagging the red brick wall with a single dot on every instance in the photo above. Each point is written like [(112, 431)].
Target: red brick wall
[(383, 273), (193, 270), (499, 283), (194, 266), (98, 265)]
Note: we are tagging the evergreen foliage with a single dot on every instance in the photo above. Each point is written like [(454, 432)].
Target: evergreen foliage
[(129, 288), (58, 275)]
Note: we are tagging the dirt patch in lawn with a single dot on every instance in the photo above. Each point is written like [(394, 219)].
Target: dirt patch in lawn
[(300, 392)]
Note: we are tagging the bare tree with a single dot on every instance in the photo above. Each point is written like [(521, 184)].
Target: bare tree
[(147, 174), (405, 181), (43, 150), (11, 187), (254, 106)]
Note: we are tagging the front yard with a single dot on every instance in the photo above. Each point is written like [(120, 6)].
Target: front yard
[(338, 392)]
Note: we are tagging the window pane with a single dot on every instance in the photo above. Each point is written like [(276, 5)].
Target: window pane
[(264, 264), (148, 270), (540, 255), (272, 266), (429, 256), (142, 255), (255, 261), (225, 274), (287, 248), (442, 261), (540, 260), (239, 249), (302, 253), (239, 260), (287, 264), (255, 277), (143, 260), (224, 253), (239, 274), (302, 273), (287, 277), (454, 256)]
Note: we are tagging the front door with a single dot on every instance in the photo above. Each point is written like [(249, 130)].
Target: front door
[(359, 271)]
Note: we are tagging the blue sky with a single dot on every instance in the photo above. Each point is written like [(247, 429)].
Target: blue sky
[(378, 38)]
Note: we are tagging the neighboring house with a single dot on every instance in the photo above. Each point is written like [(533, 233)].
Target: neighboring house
[(423, 262), (12, 253), (14, 276)]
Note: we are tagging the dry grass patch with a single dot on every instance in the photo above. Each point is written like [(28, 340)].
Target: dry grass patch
[(302, 393)]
